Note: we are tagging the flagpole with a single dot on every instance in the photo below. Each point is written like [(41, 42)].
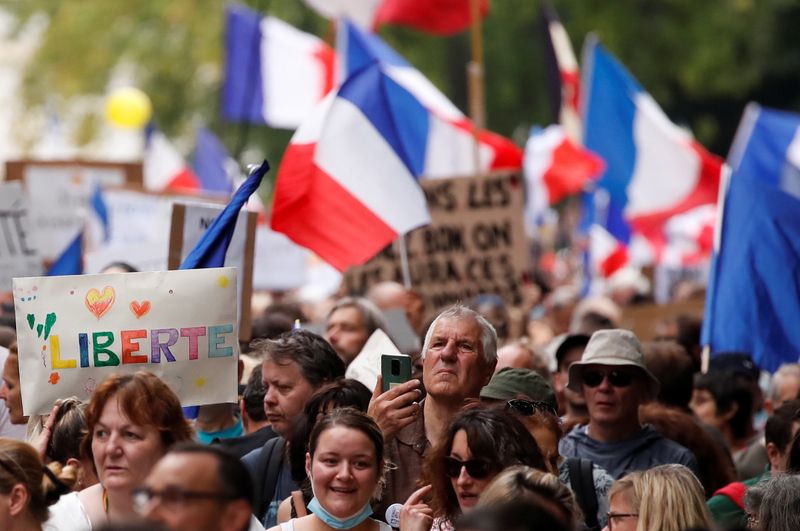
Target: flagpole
[(475, 81), (403, 251)]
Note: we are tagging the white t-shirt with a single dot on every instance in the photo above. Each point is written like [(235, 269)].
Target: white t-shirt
[(68, 514)]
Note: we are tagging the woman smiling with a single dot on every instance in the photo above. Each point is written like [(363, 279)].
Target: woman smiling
[(345, 466)]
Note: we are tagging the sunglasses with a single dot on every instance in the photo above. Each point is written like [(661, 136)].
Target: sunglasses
[(527, 408), (476, 468), (593, 378)]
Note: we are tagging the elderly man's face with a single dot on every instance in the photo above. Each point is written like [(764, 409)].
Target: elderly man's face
[(454, 367), (186, 494), (612, 393), (346, 332)]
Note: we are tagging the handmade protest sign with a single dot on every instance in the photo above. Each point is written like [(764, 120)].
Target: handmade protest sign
[(60, 192), (190, 221), (18, 254), (74, 331), (475, 244)]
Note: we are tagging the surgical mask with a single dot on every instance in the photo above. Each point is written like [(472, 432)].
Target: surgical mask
[(336, 522)]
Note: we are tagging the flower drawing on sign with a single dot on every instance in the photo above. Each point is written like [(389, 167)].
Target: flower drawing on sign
[(100, 302)]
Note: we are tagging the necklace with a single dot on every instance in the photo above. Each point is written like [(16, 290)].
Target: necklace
[(105, 501)]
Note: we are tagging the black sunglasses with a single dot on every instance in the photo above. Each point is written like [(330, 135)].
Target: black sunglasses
[(476, 468), (527, 408), (593, 378)]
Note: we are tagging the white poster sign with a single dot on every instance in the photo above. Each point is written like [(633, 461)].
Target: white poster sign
[(18, 254), (73, 331), (59, 198)]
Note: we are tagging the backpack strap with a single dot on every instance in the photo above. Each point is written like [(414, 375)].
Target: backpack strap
[(581, 478), (735, 492), (265, 479)]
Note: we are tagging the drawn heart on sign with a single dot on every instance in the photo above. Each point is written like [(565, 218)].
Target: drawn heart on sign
[(99, 303), (140, 309)]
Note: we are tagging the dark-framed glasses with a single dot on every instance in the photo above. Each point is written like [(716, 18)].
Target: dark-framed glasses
[(527, 408), (617, 378), (476, 468), (173, 496)]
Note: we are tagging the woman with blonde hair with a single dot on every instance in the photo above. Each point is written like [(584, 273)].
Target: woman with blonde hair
[(666, 497), (520, 483)]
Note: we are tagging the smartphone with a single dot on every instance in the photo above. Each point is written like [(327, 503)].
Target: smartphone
[(395, 370)]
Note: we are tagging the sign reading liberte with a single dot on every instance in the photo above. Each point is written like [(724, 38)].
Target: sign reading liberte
[(475, 244), (74, 331), (18, 254)]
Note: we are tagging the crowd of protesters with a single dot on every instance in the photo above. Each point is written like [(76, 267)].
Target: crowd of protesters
[(555, 417)]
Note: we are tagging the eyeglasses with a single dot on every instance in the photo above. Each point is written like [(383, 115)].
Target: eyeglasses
[(527, 408), (173, 496), (476, 468), (593, 378), (615, 517)]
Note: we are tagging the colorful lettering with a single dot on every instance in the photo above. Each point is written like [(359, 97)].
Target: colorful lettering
[(157, 347), (193, 333), (129, 346), (214, 341), (83, 344), (55, 356), (99, 348)]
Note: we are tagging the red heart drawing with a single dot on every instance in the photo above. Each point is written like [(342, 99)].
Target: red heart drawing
[(140, 309)]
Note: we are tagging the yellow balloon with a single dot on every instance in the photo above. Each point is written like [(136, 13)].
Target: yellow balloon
[(128, 107)]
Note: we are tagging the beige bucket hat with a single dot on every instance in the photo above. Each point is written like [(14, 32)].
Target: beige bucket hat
[(616, 348)]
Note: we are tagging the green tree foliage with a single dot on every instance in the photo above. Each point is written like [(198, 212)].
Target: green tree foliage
[(702, 61)]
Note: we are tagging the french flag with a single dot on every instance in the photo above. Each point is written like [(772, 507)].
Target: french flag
[(654, 169), (274, 73), (563, 75), (440, 17), (347, 185), (608, 255), (164, 167), (556, 168), (449, 150), (753, 297)]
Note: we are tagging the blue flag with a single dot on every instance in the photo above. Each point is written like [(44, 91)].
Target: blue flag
[(210, 163), (210, 250), (70, 262), (753, 297)]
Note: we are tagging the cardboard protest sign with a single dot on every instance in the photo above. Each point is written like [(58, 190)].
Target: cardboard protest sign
[(18, 255), (644, 319), (474, 244), (74, 331), (190, 221), (59, 193)]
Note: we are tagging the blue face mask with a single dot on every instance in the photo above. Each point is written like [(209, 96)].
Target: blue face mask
[(336, 522)]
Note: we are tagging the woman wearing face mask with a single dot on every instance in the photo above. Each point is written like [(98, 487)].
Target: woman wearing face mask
[(479, 444), (345, 466), (132, 420)]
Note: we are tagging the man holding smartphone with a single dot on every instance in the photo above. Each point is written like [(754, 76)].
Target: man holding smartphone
[(459, 355)]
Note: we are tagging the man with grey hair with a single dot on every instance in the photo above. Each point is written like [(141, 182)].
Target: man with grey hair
[(785, 385), (459, 355), (350, 323)]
